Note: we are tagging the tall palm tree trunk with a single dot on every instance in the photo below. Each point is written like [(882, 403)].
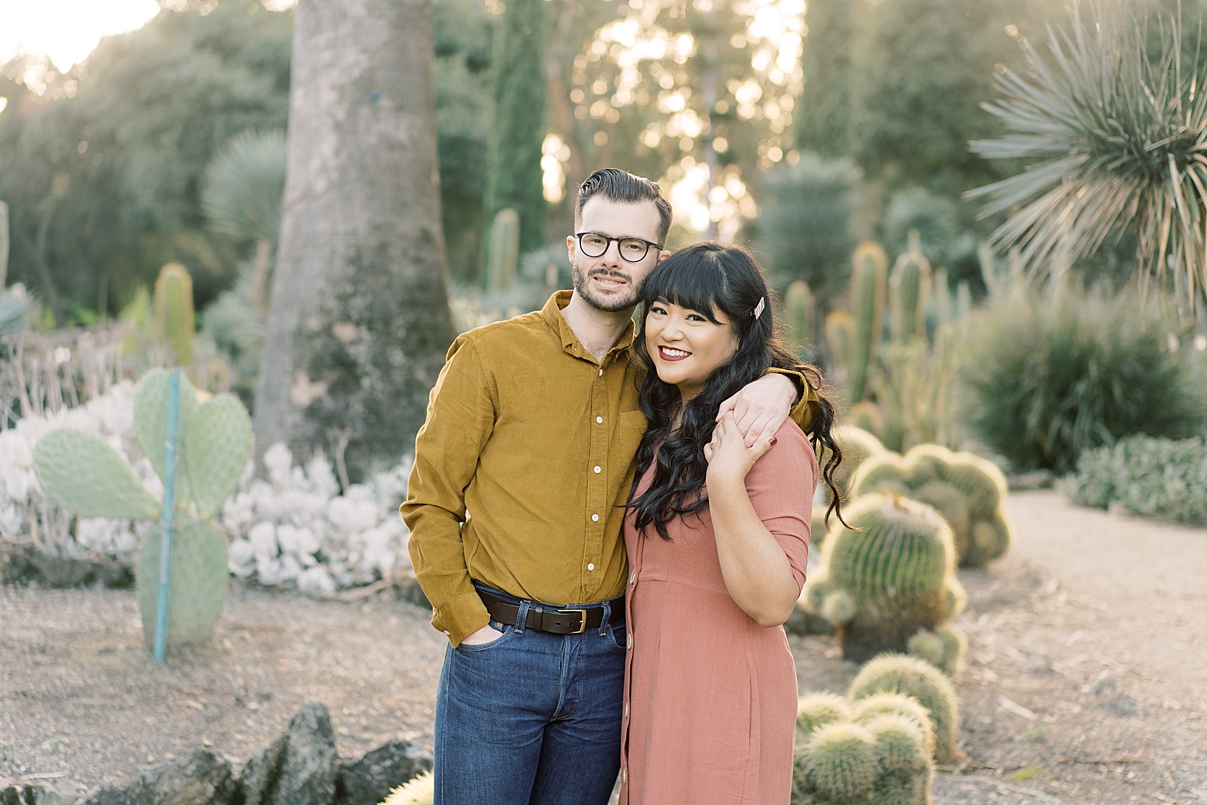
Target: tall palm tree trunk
[(358, 320)]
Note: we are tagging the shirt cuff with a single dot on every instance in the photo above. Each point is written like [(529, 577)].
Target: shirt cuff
[(461, 617)]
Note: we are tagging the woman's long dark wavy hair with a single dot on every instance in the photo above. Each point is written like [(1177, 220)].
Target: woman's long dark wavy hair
[(706, 278)]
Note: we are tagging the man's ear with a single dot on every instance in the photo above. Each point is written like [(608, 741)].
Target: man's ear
[(571, 247), (662, 255)]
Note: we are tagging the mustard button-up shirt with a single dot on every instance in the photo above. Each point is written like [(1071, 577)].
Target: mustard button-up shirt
[(523, 468)]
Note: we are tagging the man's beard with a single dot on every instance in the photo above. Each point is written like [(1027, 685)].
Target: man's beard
[(608, 304)]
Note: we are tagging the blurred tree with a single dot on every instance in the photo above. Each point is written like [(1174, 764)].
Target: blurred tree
[(359, 319), (823, 122), (514, 178)]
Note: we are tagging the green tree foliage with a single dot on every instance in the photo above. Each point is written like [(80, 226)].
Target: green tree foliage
[(518, 132), (823, 123)]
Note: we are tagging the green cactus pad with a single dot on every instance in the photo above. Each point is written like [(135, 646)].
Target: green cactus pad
[(818, 709), (151, 425), (967, 490), (900, 745), (901, 705), (898, 673), (840, 762), (217, 446), (199, 580), (88, 477)]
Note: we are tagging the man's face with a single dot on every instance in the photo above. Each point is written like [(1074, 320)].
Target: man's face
[(609, 282)]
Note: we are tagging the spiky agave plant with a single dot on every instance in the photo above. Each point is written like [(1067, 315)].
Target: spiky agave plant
[(1116, 135)]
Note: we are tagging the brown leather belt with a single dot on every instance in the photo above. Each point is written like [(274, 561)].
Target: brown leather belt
[(549, 618)]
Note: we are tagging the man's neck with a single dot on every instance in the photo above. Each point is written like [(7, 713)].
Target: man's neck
[(598, 330)]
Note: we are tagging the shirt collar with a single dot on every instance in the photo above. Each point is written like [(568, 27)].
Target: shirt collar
[(552, 314)]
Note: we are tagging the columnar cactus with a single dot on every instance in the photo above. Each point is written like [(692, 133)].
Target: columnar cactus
[(878, 755), (174, 311), (503, 251), (798, 315), (908, 286), (913, 677), (88, 477), (883, 583), (869, 279), (840, 338), (968, 491), (3, 244)]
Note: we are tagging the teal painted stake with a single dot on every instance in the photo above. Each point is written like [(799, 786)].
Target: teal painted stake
[(169, 517)]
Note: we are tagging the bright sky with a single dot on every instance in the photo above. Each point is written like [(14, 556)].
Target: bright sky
[(66, 30)]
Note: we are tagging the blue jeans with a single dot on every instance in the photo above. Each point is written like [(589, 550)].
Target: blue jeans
[(531, 718)]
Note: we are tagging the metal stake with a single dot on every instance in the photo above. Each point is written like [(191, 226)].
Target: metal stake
[(169, 517)]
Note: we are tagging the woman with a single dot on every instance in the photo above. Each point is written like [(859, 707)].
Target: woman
[(718, 538)]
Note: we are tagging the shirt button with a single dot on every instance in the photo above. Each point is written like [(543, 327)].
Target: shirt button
[(597, 470), (590, 566), (599, 420), (601, 372), (446, 631), (595, 518)]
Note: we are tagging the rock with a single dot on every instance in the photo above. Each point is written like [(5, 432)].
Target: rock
[(296, 769), (17, 795), (369, 780), (198, 778), (111, 796), (60, 572), (1123, 705), (54, 793), (1104, 685), (1039, 479), (803, 622), (409, 589)]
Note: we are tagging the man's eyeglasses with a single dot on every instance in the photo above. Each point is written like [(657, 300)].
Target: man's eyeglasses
[(632, 250)]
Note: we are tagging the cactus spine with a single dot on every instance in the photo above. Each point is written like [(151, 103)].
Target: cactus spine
[(869, 279), (896, 673), (86, 476), (798, 314), (883, 583), (968, 491), (174, 311), (504, 251)]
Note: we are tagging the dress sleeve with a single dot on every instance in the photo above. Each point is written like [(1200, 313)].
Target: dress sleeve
[(781, 486)]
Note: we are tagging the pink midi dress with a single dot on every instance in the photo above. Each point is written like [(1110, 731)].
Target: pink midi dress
[(710, 696)]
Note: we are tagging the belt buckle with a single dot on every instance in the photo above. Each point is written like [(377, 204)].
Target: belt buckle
[(582, 624)]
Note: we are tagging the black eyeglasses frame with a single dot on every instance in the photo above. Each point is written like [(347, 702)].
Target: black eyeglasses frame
[(610, 240)]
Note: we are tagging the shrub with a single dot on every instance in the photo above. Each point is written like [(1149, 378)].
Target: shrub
[(1151, 477), (1052, 377)]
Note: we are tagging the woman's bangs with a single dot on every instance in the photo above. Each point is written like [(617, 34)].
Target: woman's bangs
[(690, 283)]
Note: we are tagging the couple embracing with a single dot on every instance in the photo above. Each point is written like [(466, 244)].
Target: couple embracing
[(612, 524)]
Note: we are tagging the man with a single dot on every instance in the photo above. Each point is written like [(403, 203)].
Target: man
[(515, 505)]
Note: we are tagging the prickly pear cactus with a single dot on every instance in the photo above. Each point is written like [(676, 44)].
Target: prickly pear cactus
[(174, 311), (151, 426), (968, 491), (918, 679), (881, 584), (86, 476), (199, 580), (218, 443)]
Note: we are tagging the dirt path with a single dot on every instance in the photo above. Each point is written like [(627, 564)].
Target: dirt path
[(1087, 677)]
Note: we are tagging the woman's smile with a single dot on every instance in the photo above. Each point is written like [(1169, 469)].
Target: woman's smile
[(672, 354), (688, 346)]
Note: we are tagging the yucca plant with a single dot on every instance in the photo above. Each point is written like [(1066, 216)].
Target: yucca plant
[(1116, 135)]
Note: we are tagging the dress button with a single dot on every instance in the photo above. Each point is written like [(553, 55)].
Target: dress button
[(629, 641), (626, 709), (633, 577), (590, 566), (595, 518), (599, 420), (597, 470)]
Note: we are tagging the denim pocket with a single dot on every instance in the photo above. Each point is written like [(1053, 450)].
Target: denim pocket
[(618, 637), (505, 631)]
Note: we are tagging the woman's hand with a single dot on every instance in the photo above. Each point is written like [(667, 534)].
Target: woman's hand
[(727, 454), (761, 406)]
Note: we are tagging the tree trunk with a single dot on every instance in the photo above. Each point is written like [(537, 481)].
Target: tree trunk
[(359, 319)]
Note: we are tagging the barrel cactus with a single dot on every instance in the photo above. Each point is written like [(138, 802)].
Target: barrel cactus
[(880, 757), (918, 679), (89, 478), (891, 578), (968, 491), (943, 648), (421, 790)]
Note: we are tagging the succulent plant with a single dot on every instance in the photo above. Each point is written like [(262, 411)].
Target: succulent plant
[(882, 755), (943, 648), (907, 287), (868, 708), (88, 477), (918, 679), (798, 316), (968, 491), (199, 581), (174, 311), (881, 584), (503, 251), (869, 280), (421, 790)]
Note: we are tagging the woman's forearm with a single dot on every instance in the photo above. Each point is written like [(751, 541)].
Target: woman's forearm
[(756, 570)]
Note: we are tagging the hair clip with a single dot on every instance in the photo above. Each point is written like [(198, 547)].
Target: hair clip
[(758, 309)]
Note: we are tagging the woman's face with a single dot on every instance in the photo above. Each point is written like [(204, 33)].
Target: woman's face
[(685, 346)]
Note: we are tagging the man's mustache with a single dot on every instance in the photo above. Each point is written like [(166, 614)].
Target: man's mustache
[(600, 272)]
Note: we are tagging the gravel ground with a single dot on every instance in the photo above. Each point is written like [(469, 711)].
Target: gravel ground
[(1087, 677)]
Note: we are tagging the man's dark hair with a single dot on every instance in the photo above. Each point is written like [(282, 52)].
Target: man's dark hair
[(618, 185)]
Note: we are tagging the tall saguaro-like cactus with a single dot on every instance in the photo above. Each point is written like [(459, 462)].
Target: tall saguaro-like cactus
[(3, 244), (174, 311), (503, 251), (88, 477), (869, 280), (798, 314), (908, 287)]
